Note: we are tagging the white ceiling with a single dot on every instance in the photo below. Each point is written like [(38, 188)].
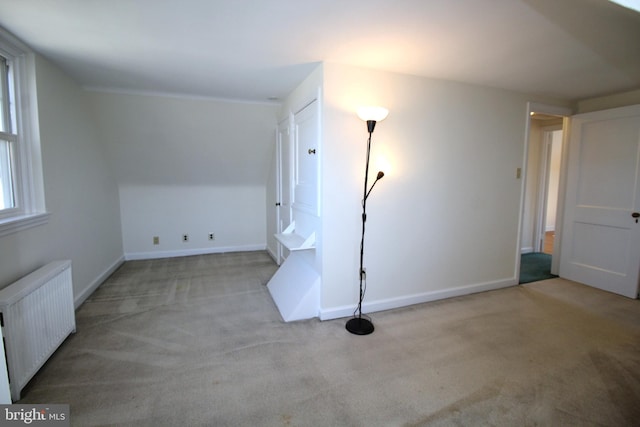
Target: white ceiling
[(257, 49)]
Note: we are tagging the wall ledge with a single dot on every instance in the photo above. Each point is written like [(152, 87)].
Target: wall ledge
[(23, 222)]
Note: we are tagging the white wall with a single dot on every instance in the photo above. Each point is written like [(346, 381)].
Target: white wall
[(444, 220), (235, 214), (80, 191), (188, 165)]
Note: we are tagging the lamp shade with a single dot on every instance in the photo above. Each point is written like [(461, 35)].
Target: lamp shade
[(376, 114)]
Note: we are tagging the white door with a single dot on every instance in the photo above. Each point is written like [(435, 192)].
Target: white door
[(601, 236), (285, 166), (307, 130)]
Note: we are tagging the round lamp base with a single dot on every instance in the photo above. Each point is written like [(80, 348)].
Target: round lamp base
[(359, 326)]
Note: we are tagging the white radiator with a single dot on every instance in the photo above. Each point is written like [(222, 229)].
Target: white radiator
[(37, 316)]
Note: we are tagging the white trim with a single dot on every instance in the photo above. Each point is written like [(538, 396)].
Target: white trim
[(189, 252), (82, 296), (28, 176), (553, 110), (404, 301), (23, 222), (29, 135), (177, 95), (13, 46)]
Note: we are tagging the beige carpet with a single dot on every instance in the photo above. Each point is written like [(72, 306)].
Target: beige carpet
[(198, 341)]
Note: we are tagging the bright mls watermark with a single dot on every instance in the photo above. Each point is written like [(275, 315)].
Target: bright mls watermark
[(34, 415)]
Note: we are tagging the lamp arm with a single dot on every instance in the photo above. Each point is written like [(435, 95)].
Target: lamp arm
[(373, 185)]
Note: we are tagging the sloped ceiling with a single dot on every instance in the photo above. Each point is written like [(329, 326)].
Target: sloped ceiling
[(255, 50), (172, 141)]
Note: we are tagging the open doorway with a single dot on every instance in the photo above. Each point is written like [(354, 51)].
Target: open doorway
[(542, 195), (549, 184)]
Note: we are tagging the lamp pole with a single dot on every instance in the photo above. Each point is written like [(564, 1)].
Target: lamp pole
[(359, 325)]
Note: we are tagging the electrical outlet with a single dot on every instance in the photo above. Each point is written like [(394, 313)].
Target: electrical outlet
[(212, 236), (185, 237), (156, 240)]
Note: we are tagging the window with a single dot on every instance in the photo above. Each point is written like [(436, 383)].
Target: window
[(8, 138), (21, 185)]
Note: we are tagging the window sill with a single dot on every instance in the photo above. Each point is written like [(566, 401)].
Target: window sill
[(23, 222)]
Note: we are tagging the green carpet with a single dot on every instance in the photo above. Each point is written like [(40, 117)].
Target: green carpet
[(534, 267)]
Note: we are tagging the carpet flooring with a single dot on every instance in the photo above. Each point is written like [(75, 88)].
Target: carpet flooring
[(197, 341), (535, 267)]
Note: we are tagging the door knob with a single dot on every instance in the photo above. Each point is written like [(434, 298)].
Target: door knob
[(636, 215), (312, 151)]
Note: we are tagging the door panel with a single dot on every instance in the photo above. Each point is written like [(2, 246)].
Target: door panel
[(307, 131), (608, 161), (601, 240)]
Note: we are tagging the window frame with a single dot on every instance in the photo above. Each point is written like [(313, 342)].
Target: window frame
[(28, 183), (8, 135)]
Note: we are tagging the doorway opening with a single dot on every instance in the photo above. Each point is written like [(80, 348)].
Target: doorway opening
[(549, 178), (541, 216)]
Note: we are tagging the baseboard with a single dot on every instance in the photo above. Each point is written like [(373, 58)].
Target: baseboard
[(82, 297), (272, 255), (526, 250), (404, 301), (131, 256)]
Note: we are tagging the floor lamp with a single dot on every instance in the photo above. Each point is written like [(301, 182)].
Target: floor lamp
[(359, 325)]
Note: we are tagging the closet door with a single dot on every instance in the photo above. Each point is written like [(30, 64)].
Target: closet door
[(307, 155)]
